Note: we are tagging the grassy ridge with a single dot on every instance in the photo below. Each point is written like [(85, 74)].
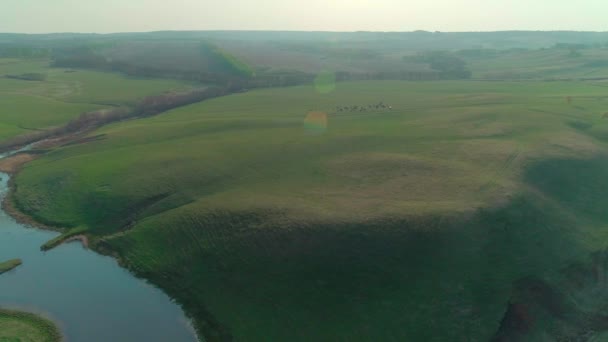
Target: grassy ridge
[(402, 224), (9, 265), (402, 279), (61, 239), (20, 326)]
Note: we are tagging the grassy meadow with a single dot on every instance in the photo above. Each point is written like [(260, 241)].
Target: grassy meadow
[(269, 223), (64, 94)]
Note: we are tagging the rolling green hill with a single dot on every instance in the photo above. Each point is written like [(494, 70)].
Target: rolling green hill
[(278, 215)]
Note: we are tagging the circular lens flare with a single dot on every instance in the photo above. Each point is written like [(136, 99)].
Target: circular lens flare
[(325, 82)]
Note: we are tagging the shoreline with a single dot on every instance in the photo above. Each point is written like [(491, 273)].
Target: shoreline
[(43, 324), (9, 265), (24, 149), (19, 153), (8, 206), (94, 244)]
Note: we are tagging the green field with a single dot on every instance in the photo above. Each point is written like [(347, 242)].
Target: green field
[(410, 224), (24, 327), (549, 64), (28, 106)]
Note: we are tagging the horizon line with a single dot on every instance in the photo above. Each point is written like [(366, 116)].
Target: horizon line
[(298, 31)]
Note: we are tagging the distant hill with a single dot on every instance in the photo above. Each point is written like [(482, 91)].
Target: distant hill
[(279, 55)]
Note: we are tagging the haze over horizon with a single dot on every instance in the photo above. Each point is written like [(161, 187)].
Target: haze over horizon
[(38, 16)]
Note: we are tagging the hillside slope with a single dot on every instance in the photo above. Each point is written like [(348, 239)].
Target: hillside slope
[(279, 215)]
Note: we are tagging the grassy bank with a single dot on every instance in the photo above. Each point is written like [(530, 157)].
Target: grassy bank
[(62, 238), (270, 223), (9, 265), (20, 326)]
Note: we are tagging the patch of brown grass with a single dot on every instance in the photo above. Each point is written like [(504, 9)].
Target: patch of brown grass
[(14, 163)]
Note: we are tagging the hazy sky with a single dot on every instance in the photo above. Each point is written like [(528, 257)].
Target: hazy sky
[(35, 16)]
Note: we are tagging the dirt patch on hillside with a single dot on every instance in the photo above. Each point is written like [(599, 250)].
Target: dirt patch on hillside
[(84, 240), (570, 307), (14, 163)]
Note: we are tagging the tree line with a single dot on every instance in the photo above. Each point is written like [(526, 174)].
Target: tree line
[(447, 65), (21, 51), (149, 106), (30, 76), (225, 70)]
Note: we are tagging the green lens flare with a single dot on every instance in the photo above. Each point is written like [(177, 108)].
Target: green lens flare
[(325, 82)]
